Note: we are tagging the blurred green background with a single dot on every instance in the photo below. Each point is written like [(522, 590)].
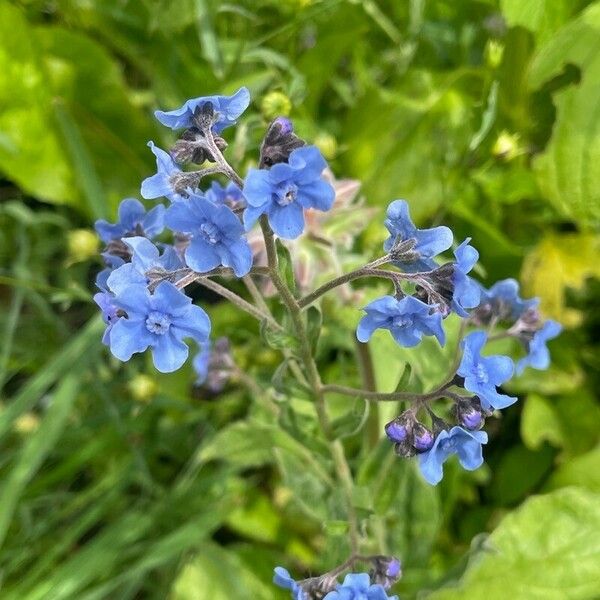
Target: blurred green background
[(485, 115)]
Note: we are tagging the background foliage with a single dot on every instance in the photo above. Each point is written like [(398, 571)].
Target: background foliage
[(118, 482)]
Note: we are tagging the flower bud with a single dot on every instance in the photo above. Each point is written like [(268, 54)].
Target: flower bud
[(494, 51), (327, 144), (422, 438), (386, 571), (82, 244), (469, 415), (404, 449), (274, 104), (507, 146), (142, 388), (396, 430)]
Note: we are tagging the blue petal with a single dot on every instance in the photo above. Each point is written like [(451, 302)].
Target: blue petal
[(318, 194), (366, 327), (168, 353), (120, 279), (145, 253), (257, 188), (240, 258), (170, 300), (154, 221), (499, 368), (251, 215), (129, 337), (201, 256), (287, 221), (195, 324), (134, 300), (309, 163), (156, 186), (179, 217)]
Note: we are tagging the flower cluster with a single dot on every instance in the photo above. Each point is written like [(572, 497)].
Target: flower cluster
[(142, 298), (210, 231), (438, 291), (373, 585)]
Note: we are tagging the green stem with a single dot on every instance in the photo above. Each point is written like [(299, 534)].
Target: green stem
[(238, 301), (440, 392), (312, 374), (367, 374)]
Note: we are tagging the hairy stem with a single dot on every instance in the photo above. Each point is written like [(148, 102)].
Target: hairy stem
[(312, 374), (238, 301), (440, 392), (367, 374)]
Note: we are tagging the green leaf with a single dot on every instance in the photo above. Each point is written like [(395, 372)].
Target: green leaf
[(277, 339), (314, 324), (540, 423), (568, 171), (218, 574), (541, 17), (549, 549), (36, 449), (31, 154), (583, 471), (285, 265)]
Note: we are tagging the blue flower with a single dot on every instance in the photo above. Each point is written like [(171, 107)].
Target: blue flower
[(159, 321), (466, 444), (110, 313), (201, 362), (285, 190), (227, 110), (538, 355), (230, 194), (216, 235), (133, 220), (504, 301), (284, 580), (357, 586), (429, 242), (466, 291), (483, 373), (145, 258), (163, 182), (407, 320)]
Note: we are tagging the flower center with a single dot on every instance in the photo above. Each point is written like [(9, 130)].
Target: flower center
[(401, 321), (210, 232), (158, 323), (286, 193), (481, 374)]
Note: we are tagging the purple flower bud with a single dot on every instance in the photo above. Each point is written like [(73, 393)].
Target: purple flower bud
[(396, 430), (386, 571), (422, 438), (470, 416), (284, 124), (394, 569)]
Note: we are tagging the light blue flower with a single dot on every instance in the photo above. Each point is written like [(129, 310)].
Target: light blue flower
[(110, 313), (284, 580), (357, 586), (429, 242), (229, 195), (145, 258), (216, 235), (227, 110), (201, 362), (466, 444), (538, 356), (162, 183), (503, 300), (133, 220), (483, 373), (466, 291), (285, 190), (159, 321), (407, 320)]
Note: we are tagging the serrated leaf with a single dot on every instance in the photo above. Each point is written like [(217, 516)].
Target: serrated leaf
[(568, 171), (549, 549), (541, 17)]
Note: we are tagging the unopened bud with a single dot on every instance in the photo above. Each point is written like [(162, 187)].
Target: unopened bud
[(327, 144), (142, 388), (386, 571), (274, 104), (469, 414), (422, 438), (82, 244), (494, 51), (507, 146), (396, 430)]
